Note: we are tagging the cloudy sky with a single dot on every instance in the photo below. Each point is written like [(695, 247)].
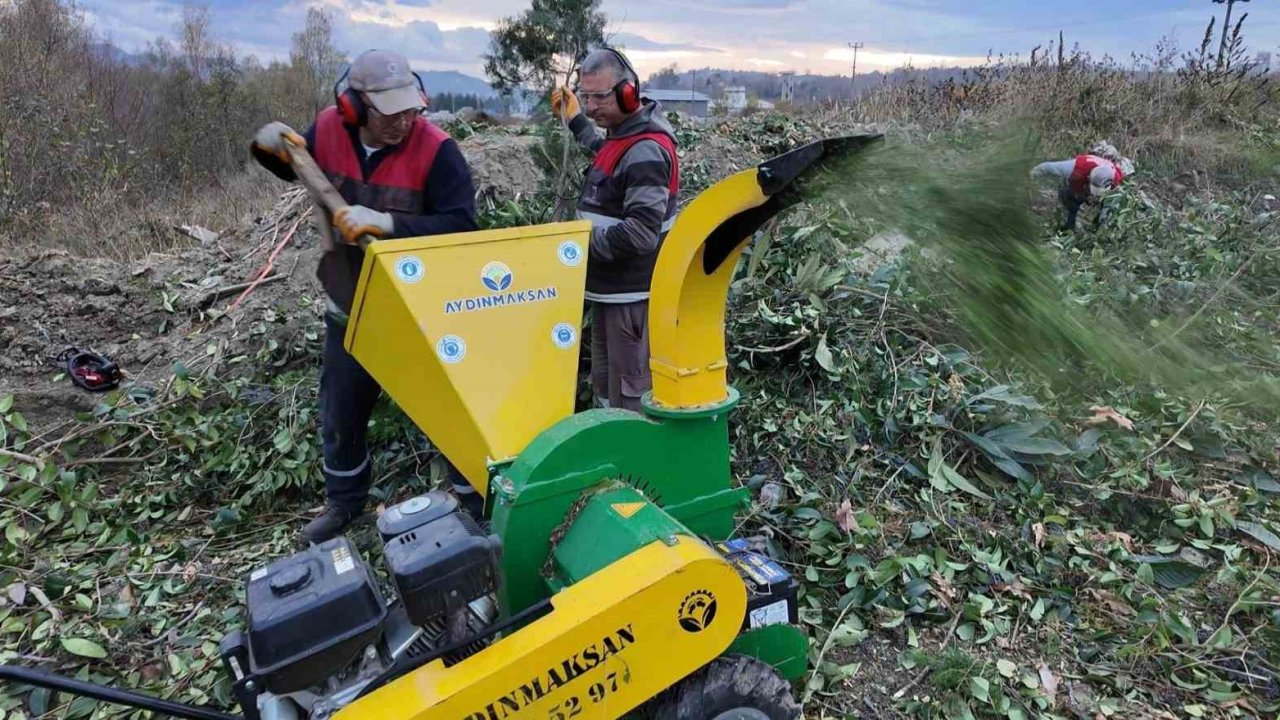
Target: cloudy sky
[(802, 35)]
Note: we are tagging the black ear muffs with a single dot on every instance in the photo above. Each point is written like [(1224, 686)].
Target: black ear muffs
[(627, 92)]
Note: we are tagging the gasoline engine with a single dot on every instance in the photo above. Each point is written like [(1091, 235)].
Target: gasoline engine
[(320, 632)]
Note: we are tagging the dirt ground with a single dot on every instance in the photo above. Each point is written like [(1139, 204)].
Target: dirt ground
[(173, 307)]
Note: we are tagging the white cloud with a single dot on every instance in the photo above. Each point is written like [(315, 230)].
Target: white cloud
[(872, 59), (772, 34)]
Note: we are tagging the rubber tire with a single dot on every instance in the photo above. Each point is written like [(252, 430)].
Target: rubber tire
[(727, 683)]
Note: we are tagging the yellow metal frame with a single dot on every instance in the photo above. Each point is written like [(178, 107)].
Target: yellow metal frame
[(611, 642), (687, 306), (507, 304)]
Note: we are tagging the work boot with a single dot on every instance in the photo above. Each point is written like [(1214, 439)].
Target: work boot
[(329, 524)]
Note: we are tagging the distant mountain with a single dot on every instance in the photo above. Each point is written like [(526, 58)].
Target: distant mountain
[(451, 81), (437, 81)]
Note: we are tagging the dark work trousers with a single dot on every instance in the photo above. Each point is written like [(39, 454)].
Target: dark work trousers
[(347, 397), (1072, 205), (620, 373)]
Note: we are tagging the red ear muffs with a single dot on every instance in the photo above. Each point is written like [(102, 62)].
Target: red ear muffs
[(627, 92), (627, 95), (352, 108)]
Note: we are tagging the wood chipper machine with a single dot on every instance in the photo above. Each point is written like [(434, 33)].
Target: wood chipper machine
[(604, 579)]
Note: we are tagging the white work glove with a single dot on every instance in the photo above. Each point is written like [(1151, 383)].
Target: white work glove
[(275, 137), (356, 220)]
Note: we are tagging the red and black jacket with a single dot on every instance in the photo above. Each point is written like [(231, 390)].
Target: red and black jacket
[(630, 197), (424, 182)]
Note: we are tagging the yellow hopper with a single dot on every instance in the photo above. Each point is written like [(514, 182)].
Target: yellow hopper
[(475, 335)]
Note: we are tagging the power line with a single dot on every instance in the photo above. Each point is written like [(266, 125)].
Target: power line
[(853, 74)]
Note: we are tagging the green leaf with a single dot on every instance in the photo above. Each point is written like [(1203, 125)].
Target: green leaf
[(1259, 533), (83, 647), (6, 403), (283, 440), (958, 481), (1222, 638), (15, 534), (1007, 668), (1002, 393), (1038, 610), (1171, 572), (1260, 479), (1035, 446), (847, 636), (27, 473), (1016, 430), (823, 355), (39, 700), (1013, 469), (986, 445), (1206, 525), (980, 688), (1146, 575)]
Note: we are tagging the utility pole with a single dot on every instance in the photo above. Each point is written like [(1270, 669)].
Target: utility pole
[(853, 74)]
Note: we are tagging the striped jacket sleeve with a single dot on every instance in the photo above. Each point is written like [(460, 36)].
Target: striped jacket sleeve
[(645, 172), (586, 132)]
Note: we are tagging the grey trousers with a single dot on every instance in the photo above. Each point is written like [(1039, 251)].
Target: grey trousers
[(620, 354)]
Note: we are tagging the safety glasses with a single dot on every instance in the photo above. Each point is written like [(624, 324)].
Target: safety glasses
[(598, 97)]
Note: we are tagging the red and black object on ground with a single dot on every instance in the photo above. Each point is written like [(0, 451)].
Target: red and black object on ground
[(88, 369)]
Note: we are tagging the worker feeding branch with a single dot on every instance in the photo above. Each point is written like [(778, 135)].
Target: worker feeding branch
[(403, 177)]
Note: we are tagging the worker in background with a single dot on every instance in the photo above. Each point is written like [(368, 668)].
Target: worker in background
[(1087, 178), (630, 198), (403, 177)]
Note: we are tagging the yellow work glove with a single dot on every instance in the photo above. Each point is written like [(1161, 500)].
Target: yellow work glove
[(275, 137), (356, 220), (564, 103)]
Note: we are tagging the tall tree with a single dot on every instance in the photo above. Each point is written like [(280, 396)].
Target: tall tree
[(667, 78), (543, 43), (198, 45), (315, 59)]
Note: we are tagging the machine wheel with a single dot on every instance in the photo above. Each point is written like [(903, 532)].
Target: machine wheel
[(734, 687)]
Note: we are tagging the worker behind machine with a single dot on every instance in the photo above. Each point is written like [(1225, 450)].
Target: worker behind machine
[(630, 198), (1087, 178), (403, 177)]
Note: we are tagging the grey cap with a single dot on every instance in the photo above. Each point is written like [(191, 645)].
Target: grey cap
[(386, 79)]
